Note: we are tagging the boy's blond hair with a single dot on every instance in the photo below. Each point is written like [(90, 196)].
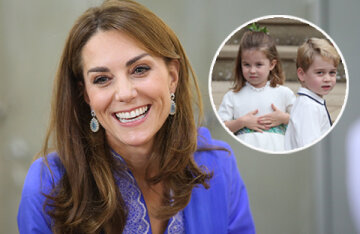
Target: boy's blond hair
[(315, 46)]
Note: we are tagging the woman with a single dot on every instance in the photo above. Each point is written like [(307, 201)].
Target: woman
[(142, 166)]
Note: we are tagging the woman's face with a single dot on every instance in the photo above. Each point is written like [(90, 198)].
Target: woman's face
[(128, 88)]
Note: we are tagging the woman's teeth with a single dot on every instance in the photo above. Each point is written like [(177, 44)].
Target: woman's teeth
[(133, 115)]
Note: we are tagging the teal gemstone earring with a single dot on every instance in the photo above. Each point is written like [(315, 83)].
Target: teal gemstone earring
[(94, 123), (172, 104)]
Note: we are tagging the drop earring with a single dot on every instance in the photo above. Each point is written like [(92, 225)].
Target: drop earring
[(94, 123), (172, 104)]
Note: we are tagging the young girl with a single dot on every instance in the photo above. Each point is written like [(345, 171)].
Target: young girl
[(257, 108)]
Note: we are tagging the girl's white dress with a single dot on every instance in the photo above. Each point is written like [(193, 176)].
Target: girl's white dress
[(248, 99)]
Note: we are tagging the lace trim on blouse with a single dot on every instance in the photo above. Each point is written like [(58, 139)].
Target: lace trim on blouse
[(138, 220), (258, 89)]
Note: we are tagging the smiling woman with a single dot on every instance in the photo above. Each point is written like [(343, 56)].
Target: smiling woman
[(143, 166), (130, 93)]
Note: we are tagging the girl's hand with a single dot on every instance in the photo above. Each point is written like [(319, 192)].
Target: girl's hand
[(250, 120), (275, 118)]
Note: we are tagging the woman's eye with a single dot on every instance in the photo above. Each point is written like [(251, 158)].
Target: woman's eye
[(100, 80), (139, 70)]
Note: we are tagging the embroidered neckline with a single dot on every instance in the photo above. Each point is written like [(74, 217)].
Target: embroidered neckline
[(176, 224), (116, 155), (138, 220), (258, 89)]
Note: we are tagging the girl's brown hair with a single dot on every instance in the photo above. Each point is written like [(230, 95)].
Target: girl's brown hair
[(265, 43), (87, 200)]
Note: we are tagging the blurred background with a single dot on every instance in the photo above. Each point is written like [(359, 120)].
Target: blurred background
[(303, 192)]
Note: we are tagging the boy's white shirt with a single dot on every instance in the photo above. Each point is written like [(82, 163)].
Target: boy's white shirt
[(308, 120)]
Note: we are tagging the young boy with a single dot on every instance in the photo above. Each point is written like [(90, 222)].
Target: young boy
[(316, 63)]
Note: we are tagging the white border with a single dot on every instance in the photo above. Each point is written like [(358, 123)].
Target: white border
[(270, 17)]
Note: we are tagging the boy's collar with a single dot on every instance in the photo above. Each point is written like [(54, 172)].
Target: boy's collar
[(311, 94)]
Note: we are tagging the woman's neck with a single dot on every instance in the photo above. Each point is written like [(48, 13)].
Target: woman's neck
[(136, 157)]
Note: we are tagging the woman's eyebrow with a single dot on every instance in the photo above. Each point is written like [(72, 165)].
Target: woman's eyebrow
[(128, 63), (133, 60), (98, 69)]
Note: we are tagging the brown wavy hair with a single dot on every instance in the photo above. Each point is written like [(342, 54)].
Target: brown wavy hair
[(265, 43), (87, 200)]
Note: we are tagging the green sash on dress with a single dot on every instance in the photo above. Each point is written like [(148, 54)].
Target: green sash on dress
[(280, 129)]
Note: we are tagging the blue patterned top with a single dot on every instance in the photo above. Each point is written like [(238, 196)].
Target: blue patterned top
[(223, 208), (138, 218)]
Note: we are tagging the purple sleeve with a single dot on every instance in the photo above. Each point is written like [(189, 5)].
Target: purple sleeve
[(240, 217), (227, 195), (32, 217)]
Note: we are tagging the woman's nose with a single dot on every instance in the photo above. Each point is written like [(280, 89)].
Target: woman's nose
[(125, 89)]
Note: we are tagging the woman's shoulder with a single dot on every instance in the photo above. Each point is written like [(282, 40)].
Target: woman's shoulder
[(217, 157), (211, 152), (43, 174), (205, 140), (232, 214)]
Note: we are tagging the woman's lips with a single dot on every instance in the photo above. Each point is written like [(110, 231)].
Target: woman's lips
[(133, 116)]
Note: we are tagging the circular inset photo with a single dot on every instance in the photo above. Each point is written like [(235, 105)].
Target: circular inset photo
[(278, 84)]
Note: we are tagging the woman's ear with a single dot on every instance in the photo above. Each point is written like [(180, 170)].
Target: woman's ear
[(174, 68)]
